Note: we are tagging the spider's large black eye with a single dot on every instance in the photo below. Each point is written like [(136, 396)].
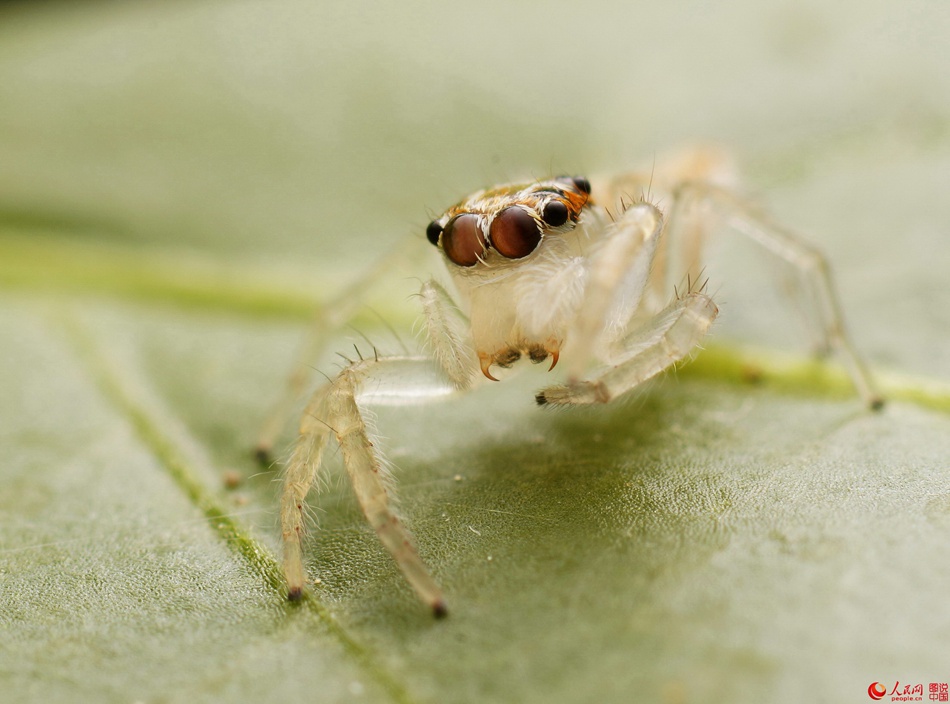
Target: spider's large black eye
[(554, 213), (514, 233), (433, 231), (462, 240)]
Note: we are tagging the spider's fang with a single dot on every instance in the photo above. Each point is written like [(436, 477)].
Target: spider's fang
[(486, 363), (540, 353)]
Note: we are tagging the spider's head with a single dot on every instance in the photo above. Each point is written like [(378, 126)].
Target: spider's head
[(508, 222)]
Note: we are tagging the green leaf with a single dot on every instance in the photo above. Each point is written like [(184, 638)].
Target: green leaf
[(181, 185)]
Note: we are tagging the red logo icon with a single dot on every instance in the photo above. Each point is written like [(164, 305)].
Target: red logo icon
[(876, 690)]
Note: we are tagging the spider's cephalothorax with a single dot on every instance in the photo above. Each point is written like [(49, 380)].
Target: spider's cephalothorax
[(503, 247)]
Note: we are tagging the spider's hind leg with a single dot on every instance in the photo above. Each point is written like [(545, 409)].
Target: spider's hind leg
[(813, 273)]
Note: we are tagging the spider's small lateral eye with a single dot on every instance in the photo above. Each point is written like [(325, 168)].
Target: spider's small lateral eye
[(462, 240), (554, 213), (514, 233), (433, 231), (581, 184)]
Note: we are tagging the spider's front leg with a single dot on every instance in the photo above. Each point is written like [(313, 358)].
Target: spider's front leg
[(337, 409), (660, 342), (613, 325)]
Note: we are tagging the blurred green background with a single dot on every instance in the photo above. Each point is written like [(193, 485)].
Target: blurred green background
[(180, 183)]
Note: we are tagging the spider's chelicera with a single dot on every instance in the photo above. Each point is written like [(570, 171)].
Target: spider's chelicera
[(561, 269)]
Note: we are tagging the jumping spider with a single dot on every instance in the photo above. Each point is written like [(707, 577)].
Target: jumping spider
[(563, 269)]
